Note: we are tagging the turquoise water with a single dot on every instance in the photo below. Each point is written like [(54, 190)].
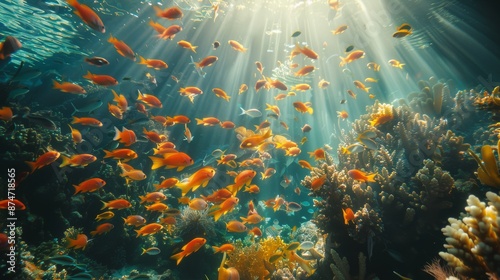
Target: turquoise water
[(408, 125)]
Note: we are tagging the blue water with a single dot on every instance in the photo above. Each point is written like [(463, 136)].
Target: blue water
[(452, 42)]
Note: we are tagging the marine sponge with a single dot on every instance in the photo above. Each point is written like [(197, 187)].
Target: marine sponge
[(473, 247)]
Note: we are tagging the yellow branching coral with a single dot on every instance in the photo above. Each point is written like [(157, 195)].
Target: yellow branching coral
[(250, 260), (488, 169), (489, 101), (473, 247), (382, 115)]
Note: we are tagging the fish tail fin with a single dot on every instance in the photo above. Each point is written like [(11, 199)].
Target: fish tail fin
[(310, 110), (216, 249), (73, 3), (143, 251), (158, 11), (371, 177), (139, 95), (138, 232), (142, 198), (342, 61), (194, 49), (117, 134), (56, 84), (74, 111), (401, 65), (66, 161), (178, 257), (104, 205), (32, 165), (233, 189), (88, 75), (108, 154), (112, 39), (143, 60), (368, 88), (93, 233), (76, 189), (124, 220), (157, 162), (198, 121), (157, 187)]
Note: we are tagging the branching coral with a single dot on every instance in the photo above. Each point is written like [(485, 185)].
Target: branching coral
[(473, 247), (250, 260)]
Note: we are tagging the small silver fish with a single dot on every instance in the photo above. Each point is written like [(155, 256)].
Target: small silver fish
[(151, 251)]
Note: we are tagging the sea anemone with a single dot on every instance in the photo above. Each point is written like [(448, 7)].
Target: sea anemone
[(194, 223)]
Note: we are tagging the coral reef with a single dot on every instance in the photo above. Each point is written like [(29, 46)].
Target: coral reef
[(473, 247), (340, 267)]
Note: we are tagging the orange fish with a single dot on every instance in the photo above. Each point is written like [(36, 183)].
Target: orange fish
[(43, 160), (348, 215), (87, 121), (166, 184), (252, 189), (121, 101), (218, 196), (359, 175), (276, 84), (209, 121), (90, 185), (115, 111), (79, 243), (152, 197), (261, 83), (169, 13), (237, 46), (361, 86), (153, 136), (255, 231), (6, 203), (199, 178), (102, 80), (244, 178), (150, 100), (170, 32), (153, 63), (69, 87), (293, 151), (122, 48), (191, 247), (157, 207), (187, 134), (318, 154), (126, 136), (255, 140), (323, 84), (187, 45), (6, 114), (352, 56), (351, 93), (268, 173), (121, 154), (221, 94), (227, 125), (102, 229), (172, 160), (228, 247), (307, 52), (302, 107), (318, 182), (116, 204), (235, 226), (280, 96), (274, 108), (342, 114), (179, 119), (190, 92), (134, 220), (305, 70), (340, 29), (105, 216), (243, 88), (226, 206), (88, 16), (78, 160), (149, 229), (198, 204), (301, 87), (205, 62), (395, 63), (252, 219)]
